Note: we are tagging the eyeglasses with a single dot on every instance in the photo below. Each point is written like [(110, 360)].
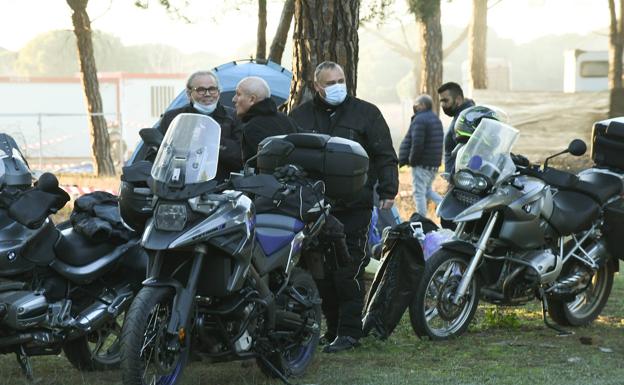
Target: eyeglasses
[(203, 90)]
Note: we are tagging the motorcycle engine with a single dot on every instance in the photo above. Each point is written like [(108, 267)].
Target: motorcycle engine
[(23, 309), (543, 263)]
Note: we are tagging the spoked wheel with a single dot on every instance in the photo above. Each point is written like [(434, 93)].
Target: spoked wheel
[(432, 312), (99, 350), (587, 305), (297, 350), (147, 356)]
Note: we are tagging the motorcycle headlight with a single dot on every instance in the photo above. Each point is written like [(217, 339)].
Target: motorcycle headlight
[(170, 217), (469, 182)]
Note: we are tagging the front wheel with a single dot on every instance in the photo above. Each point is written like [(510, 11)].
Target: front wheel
[(432, 311), (148, 353), (294, 352), (587, 305)]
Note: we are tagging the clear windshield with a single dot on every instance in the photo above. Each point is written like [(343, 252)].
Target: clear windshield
[(488, 151), (189, 152)]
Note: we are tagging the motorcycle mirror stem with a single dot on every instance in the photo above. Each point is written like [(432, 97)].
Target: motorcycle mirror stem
[(554, 156)]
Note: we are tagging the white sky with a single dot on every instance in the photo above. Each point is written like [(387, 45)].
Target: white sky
[(217, 26)]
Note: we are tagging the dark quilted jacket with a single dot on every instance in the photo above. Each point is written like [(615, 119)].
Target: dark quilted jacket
[(422, 145)]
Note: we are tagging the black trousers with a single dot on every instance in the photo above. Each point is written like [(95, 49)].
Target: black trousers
[(342, 288)]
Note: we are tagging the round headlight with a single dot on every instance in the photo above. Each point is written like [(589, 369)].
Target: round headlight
[(465, 180)]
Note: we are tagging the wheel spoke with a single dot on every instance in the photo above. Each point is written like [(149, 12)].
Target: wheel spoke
[(431, 314)]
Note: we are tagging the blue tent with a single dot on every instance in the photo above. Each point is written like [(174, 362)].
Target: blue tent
[(231, 73)]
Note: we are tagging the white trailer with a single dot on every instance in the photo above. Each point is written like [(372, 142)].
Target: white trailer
[(585, 71)]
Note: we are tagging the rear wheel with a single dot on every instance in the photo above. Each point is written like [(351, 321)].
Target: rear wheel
[(296, 351), (147, 354), (98, 350), (588, 305), (432, 311)]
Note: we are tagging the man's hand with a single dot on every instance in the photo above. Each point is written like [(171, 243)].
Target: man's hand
[(386, 204)]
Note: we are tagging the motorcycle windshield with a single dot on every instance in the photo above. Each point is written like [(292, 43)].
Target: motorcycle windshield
[(189, 153), (488, 151)]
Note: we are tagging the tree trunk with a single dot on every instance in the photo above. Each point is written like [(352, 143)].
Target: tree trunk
[(431, 56), (281, 35), (324, 30), (100, 144), (262, 25), (616, 45), (477, 53)]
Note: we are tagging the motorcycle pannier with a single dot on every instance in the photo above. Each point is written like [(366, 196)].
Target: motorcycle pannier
[(341, 163), (614, 228), (608, 143)]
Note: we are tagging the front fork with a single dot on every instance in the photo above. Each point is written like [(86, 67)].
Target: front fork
[(474, 262), (183, 300)]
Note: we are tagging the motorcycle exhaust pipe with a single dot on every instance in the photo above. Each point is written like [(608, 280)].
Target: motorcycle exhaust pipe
[(96, 315), (598, 253)]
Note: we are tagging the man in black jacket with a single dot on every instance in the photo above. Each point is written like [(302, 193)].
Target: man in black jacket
[(335, 113), (203, 91), (422, 150), (453, 103), (259, 114)]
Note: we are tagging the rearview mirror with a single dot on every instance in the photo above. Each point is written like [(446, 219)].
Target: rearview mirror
[(151, 136), (577, 147)]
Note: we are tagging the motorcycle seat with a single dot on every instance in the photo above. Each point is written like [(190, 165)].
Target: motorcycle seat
[(75, 249), (275, 231), (599, 186), (573, 212)]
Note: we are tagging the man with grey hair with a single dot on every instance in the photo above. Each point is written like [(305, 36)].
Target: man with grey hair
[(259, 114), (203, 91), (333, 112), (422, 150)]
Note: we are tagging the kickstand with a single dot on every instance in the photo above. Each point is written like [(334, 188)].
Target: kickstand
[(279, 374), (24, 361), (561, 332)]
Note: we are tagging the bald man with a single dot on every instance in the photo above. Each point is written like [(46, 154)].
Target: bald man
[(259, 114)]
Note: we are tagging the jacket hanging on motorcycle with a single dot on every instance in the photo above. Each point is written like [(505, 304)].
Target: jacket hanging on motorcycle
[(399, 274)]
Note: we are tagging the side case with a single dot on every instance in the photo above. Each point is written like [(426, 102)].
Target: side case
[(614, 228), (608, 143)]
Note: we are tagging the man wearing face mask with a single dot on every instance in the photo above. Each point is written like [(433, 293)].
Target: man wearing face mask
[(453, 103), (333, 112), (203, 91)]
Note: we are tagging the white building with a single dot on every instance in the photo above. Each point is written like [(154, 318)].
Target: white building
[(47, 115), (585, 71)]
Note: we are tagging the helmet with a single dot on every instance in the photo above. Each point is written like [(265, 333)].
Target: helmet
[(469, 119)]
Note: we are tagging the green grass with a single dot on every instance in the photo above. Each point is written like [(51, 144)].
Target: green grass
[(508, 346)]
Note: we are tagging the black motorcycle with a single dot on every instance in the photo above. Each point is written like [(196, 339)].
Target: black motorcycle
[(59, 290), (225, 279)]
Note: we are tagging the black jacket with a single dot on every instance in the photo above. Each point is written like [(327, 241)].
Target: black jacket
[(360, 121), (449, 137), (261, 121), (422, 145), (229, 154)]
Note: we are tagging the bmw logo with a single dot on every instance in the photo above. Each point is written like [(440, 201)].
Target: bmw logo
[(11, 256)]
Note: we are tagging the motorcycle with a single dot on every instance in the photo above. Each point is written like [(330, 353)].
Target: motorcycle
[(522, 233), (224, 280), (58, 289)]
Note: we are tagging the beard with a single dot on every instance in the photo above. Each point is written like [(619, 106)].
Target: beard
[(449, 111)]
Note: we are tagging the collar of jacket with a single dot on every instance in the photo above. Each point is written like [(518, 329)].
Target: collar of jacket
[(466, 104), (263, 107)]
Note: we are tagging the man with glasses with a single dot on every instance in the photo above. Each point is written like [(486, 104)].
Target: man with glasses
[(203, 91)]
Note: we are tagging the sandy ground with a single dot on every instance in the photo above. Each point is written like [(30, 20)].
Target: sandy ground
[(547, 121)]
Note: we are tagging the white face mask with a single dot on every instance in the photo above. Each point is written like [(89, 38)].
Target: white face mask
[(205, 108), (335, 94)]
